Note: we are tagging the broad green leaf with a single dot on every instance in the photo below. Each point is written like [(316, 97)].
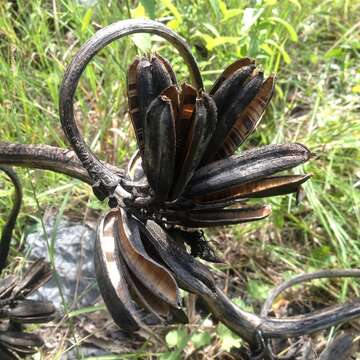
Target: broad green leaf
[(334, 53), (257, 289), (212, 43), (177, 338), (222, 7), (241, 304), (139, 12), (290, 29), (169, 4), (229, 14), (281, 49), (201, 339), (149, 6), (267, 49), (86, 19), (356, 89), (228, 338)]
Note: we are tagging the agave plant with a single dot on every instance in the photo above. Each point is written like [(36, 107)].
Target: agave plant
[(15, 309), (185, 176)]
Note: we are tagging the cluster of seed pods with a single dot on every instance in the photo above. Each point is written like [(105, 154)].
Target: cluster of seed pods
[(185, 176)]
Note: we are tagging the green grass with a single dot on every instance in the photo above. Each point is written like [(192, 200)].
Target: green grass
[(314, 47)]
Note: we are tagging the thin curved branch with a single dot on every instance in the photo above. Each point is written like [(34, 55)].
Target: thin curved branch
[(48, 158), (322, 274), (246, 325), (10, 224), (101, 175)]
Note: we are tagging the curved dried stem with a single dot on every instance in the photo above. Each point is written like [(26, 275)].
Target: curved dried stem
[(48, 158), (106, 180), (10, 224), (322, 274)]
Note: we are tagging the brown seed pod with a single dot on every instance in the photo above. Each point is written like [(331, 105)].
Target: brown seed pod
[(156, 278), (270, 186), (160, 147), (19, 342), (146, 79), (201, 129), (218, 217), (168, 67), (29, 311), (226, 122), (187, 271), (187, 103), (110, 277), (230, 89), (143, 296), (238, 64), (247, 120), (36, 276), (251, 165)]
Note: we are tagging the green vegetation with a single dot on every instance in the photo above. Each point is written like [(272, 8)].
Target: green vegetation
[(314, 47)]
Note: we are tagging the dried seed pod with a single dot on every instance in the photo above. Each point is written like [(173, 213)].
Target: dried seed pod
[(251, 165), (8, 228), (201, 130), (226, 122), (159, 158), (218, 217), (152, 275), (269, 186), (188, 272), (36, 276), (230, 89), (133, 101), (146, 80), (23, 343), (238, 64), (247, 120), (187, 103), (29, 311), (146, 298), (168, 67), (110, 277), (160, 74), (150, 301), (7, 285)]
